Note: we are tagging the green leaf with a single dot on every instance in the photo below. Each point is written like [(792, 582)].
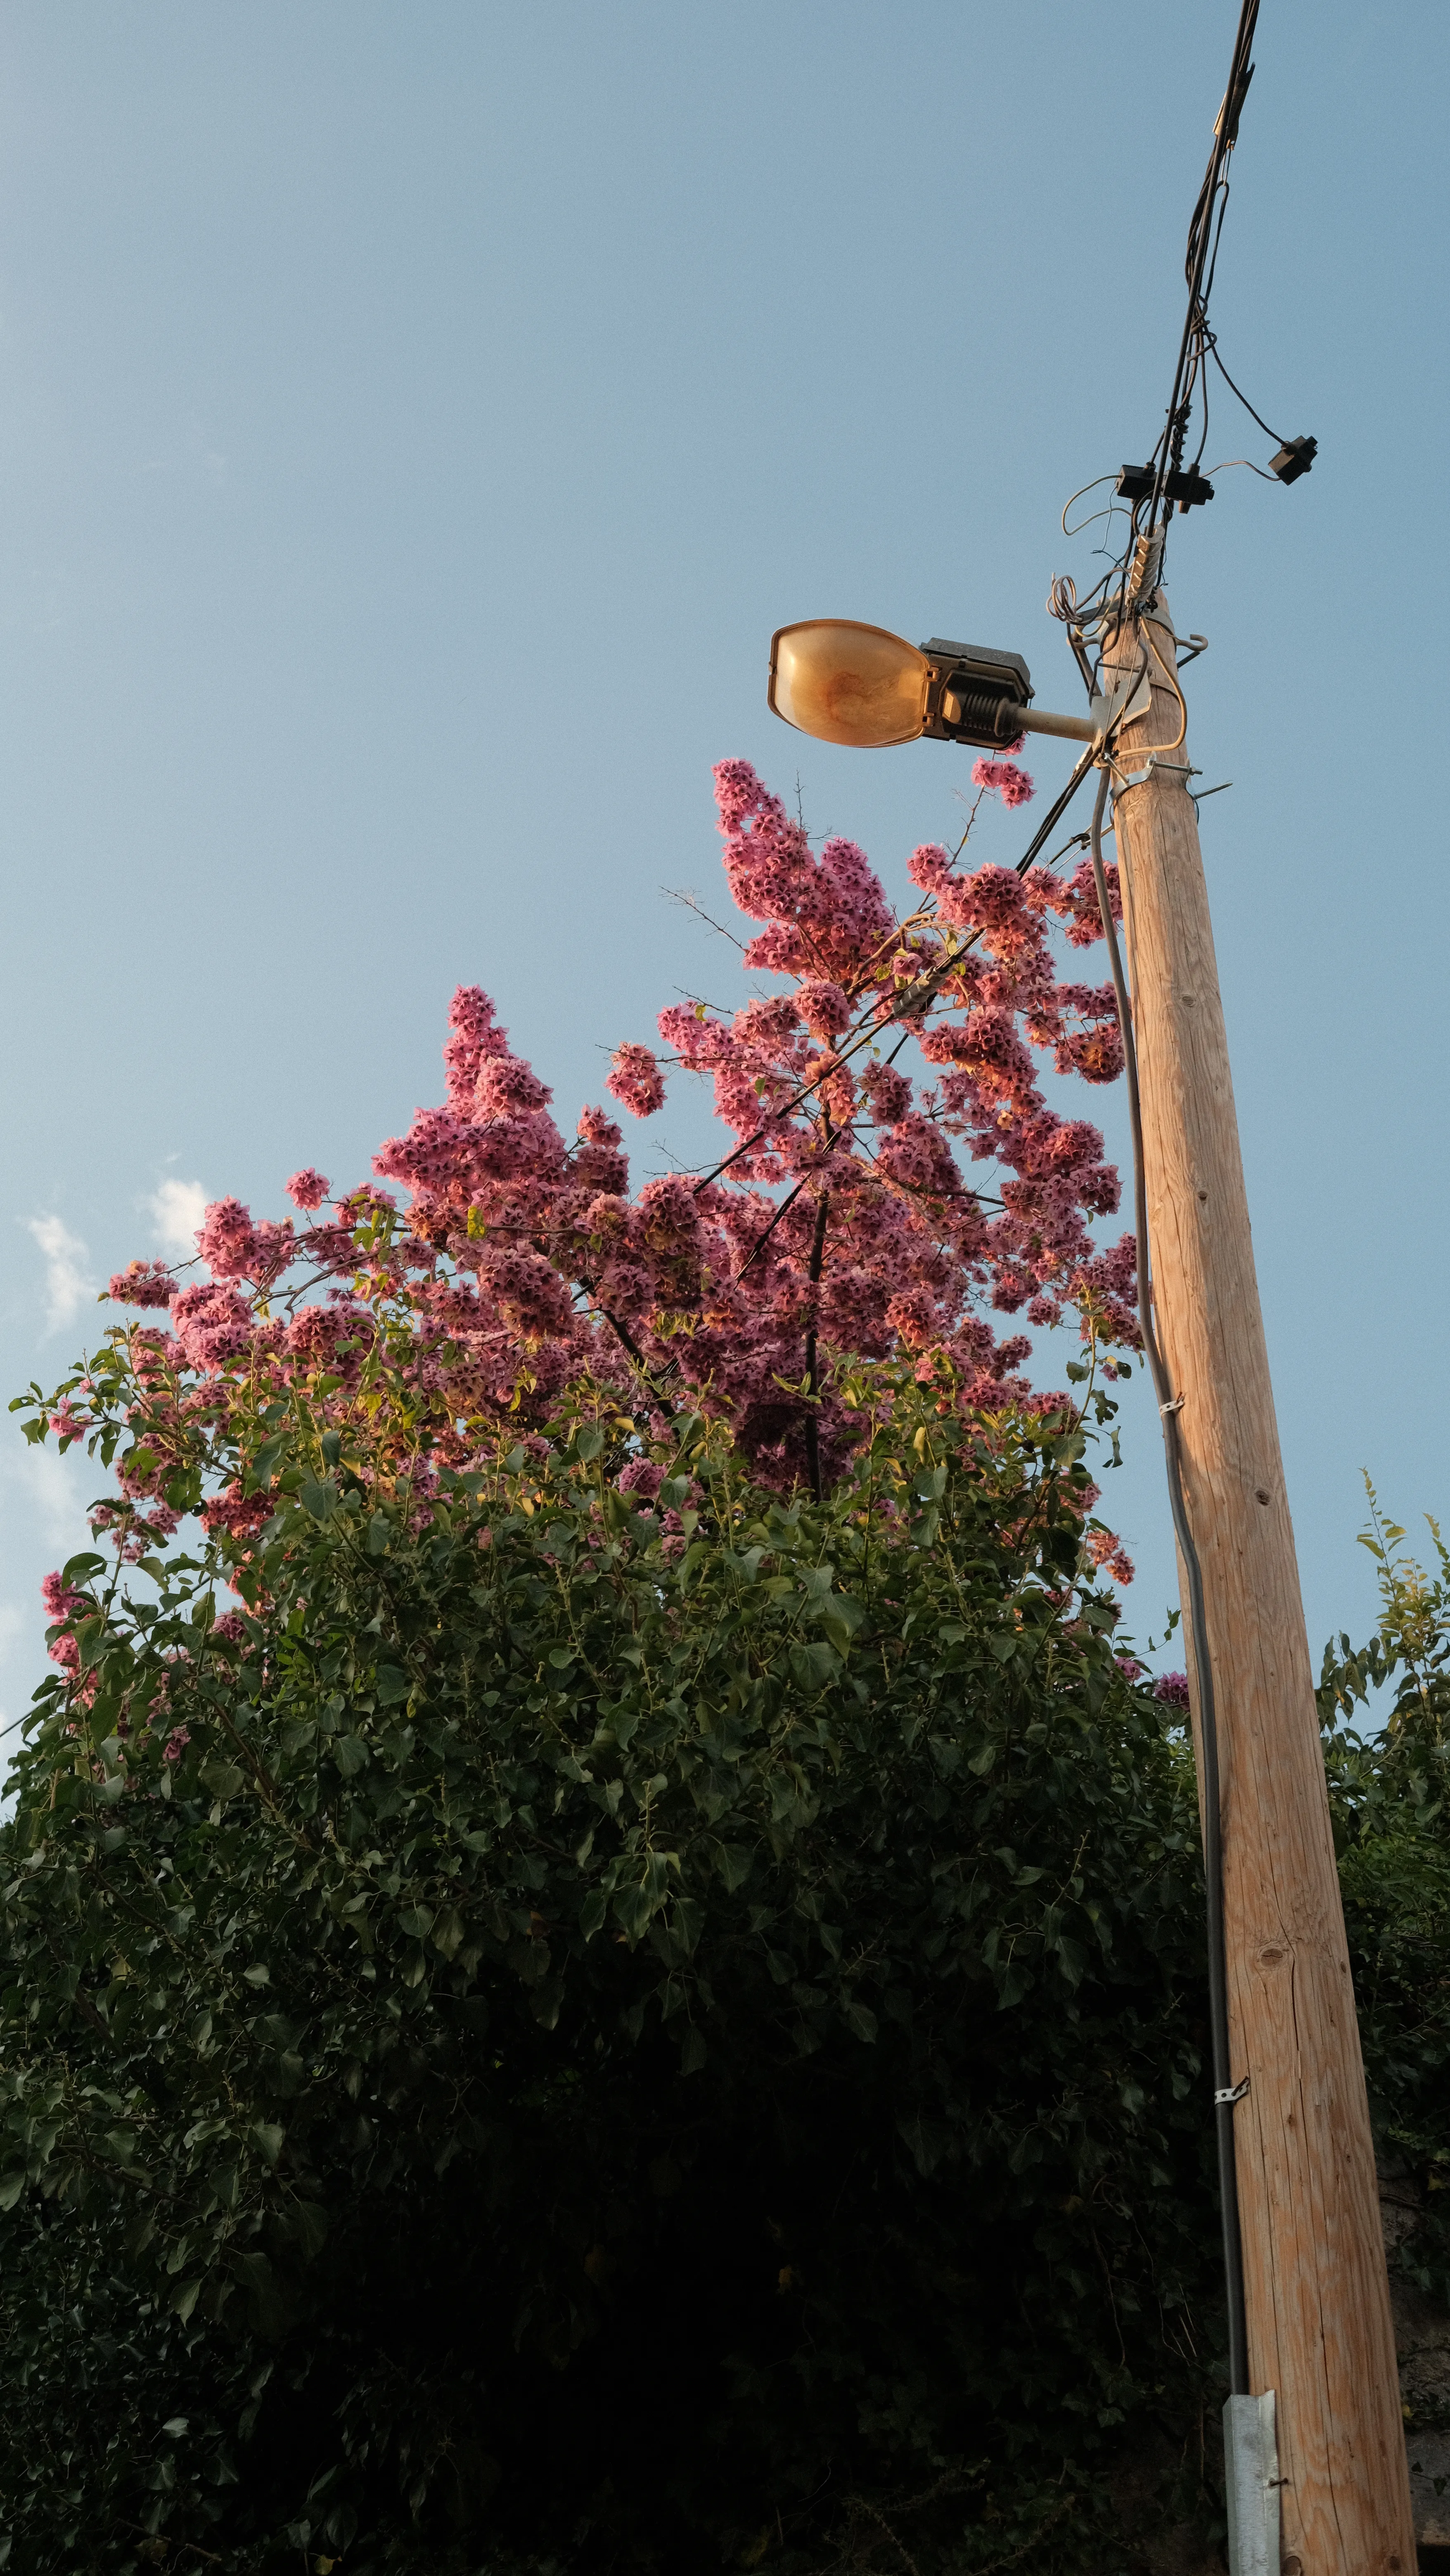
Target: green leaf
[(269, 2138), (265, 1462), (693, 2051), (223, 1779), (814, 1667), (350, 1754), (82, 1569), (391, 1685), (734, 1864)]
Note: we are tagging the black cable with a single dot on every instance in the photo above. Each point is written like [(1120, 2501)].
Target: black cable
[(1228, 2191), (1055, 813), (1212, 346), (1201, 240)]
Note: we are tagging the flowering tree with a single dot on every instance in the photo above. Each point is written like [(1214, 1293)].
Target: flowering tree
[(842, 1228)]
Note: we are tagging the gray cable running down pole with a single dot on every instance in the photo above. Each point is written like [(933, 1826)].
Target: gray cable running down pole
[(1223, 2084)]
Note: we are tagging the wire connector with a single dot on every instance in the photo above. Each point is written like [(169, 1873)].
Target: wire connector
[(1175, 1404), (1231, 2092), (1294, 458)]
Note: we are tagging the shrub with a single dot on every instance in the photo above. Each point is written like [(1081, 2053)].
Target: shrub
[(579, 2035)]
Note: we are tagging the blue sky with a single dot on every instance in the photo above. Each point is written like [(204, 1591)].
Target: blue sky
[(413, 422)]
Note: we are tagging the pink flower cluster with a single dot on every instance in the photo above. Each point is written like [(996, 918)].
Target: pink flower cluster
[(891, 1179), (635, 1078), (142, 1283), (1009, 782), (63, 1605)]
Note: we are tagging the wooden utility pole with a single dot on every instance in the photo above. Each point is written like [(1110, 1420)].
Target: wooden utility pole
[(1319, 2330)]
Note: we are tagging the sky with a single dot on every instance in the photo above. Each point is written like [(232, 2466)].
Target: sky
[(414, 420)]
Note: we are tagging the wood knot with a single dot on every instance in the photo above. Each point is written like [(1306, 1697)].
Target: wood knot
[(1270, 1958), (1259, 1494), (1291, 2567), (1203, 1198)]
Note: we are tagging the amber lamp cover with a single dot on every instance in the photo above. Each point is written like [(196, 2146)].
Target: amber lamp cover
[(848, 683)]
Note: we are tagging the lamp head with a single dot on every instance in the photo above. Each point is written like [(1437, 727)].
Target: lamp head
[(844, 682), (863, 686)]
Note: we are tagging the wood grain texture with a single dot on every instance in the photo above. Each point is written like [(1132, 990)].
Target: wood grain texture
[(1318, 2301)]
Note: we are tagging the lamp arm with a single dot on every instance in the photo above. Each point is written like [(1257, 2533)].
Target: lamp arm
[(1105, 713)]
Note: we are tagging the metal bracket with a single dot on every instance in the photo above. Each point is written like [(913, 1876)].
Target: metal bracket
[(1252, 2484), (1131, 698), (1183, 769), (1231, 2092)]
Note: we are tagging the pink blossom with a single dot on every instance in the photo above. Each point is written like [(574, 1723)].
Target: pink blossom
[(61, 1601), (1011, 783), (506, 1086), (843, 1222), (823, 1007), (307, 1189), (213, 1325), (142, 1283), (528, 1292), (641, 1477), (63, 1605), (331, 1339), (472, 1036), (888, 1092), (635, 1078), (1172, 1690), (332, 1247), (227, 1239), (176, 1744)]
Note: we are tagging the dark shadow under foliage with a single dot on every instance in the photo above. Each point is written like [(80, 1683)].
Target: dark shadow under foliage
[(608, 2053)]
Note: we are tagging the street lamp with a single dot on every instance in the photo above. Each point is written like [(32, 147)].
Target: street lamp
[(867, 688)]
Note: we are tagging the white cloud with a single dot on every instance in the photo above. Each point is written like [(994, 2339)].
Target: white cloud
[(67, 1287), (44, 1499), (177, 1209)]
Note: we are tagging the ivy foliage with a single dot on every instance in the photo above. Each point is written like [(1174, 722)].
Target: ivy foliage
[(1390, 1800), (607, 2044), (573, 2037)]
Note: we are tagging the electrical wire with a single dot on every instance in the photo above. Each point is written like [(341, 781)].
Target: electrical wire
[(1203, 240), (1168, 1406), (1211, 344)]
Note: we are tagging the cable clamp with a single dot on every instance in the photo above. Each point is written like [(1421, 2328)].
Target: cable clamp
[(1231, 2092), (1175, 1404), (1183, 769)]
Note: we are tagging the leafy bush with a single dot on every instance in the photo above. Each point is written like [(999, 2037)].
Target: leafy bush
[(561, 2039), (1390, 1797)]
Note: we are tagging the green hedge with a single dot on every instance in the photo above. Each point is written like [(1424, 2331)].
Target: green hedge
[(613, 2047)]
